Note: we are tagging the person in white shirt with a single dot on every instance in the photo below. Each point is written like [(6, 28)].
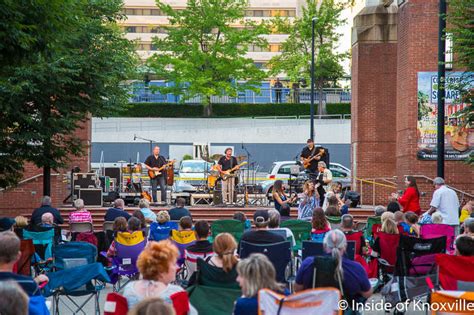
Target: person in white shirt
[(324, 178), (446, 202)]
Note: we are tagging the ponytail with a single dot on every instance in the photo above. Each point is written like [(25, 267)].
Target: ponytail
[(228, 261), (335, 243)]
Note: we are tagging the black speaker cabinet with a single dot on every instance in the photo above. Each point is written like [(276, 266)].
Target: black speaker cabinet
[(113, 172), (91, 196)]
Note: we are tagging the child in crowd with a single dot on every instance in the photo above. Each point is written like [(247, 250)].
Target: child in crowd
[(121, 225), (240, 216), (466, 211), (412, 228), (465, 245), (400, 220), (320, 225)]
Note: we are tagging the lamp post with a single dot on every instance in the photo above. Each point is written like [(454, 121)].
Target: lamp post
[(311, 110), (441, 86)]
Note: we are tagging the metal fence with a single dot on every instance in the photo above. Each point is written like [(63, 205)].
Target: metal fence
[(147, 95)]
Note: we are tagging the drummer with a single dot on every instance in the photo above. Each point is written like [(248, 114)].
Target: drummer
[(154, 162)]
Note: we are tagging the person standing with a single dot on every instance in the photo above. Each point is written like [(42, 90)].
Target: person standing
[(310, 156), (323, 178), (446, 202), (410, 200), (153, 163), (225, 165), (277, 87)]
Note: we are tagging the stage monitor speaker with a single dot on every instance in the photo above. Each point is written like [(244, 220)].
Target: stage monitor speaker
[(354, 197), (84, 180), (91, 196), (113, 172)]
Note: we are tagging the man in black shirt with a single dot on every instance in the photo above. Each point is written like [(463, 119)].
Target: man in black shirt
[(153, 163), (277, 87), (179, 211), (117, 211), (45, 207), (226, 163), (311, 151), (261, 234)]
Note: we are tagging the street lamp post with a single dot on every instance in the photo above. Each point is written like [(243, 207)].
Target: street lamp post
[(441, 86), (311, 132)]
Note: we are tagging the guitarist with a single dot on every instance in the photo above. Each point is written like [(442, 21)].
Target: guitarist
[(308, 152), (153, 163), (226, 163)]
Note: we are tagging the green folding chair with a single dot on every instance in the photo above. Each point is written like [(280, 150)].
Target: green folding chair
[(301, 231), (334, 222), (234, 227)]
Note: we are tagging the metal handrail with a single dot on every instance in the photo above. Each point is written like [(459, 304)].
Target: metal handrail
[(26, 180), (462, 192)]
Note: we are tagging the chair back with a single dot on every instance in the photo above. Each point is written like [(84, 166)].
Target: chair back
[(301, 231), (182, 239), (455, 272), (159, 232), (234, 227), (356, 238), (212, 276), (324, 273), (115, 304), (108, 226), (79, 227), (180, 302), (360, 226), (317, 249), (128, 246), (23, 264), (369, 231), (416, 256), (334, 222), (278, 253), (441, 301), (388, 248), (74, 250), (313, 301), (428, 231), (43, 242), (318, 237)]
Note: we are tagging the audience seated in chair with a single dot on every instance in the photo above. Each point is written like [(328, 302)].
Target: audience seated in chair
[(274, 225), (240, 216), (144, 206), (183, 237), (179, 211), (157, 266), (202, 248), (347, 227), (47, 220), (411, 226), (254, 273), (320, 225), (355, 282), (9, 255), (152, 306), (45, 208), (261, 234), (120, 225), (464, 245), (21, 223), (117, 211), (80, 214), (389, 227), (469, 227), (161, 229), (143, 224), (7, 224), (13, 300)]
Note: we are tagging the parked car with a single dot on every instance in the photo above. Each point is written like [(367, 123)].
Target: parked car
[(281, 170), (191, 175)]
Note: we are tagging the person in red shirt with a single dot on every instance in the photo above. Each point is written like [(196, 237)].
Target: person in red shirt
[(410, 200)]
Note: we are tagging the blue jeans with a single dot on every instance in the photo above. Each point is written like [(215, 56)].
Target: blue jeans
[(160, 180)]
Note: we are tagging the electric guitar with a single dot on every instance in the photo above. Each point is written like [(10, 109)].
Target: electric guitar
[(226, 174), (307, 161), (154, 173)]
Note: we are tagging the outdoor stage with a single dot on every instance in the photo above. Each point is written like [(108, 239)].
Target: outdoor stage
[(199, 212)]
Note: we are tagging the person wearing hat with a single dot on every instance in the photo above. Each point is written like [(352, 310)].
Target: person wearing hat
[(261, 234), (446, 202), (6, 224)]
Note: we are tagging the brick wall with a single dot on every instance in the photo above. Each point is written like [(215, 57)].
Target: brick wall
[(27, 196), (417, 51)]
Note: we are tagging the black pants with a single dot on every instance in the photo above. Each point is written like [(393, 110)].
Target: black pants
[(160, 180), (278, 96)]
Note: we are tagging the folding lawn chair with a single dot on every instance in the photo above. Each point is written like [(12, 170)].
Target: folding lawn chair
[(234, 227), (334, 222), (455, 272), (388, 244), (301, 231), (437, 230), (43, 242), (161, 231)]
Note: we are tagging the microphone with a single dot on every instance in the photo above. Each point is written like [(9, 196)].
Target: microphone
[(242, 145), (134, 137)]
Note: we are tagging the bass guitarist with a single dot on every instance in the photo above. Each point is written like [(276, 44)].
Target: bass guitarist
[(310, 156), (153, 163), (226, 163)]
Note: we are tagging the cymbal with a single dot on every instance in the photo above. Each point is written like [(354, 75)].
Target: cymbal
[(241, 157), (121, 161)]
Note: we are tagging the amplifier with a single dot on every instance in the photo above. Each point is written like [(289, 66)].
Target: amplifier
[(84, 180), (91, 196)]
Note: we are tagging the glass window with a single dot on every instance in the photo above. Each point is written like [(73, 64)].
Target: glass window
[(156, 12), (258, 13), (271, 168), (129, 12), (291, 13), (285, 169), (248, 13), (267, 13), (146, 12), (131, 29), (339, 174)]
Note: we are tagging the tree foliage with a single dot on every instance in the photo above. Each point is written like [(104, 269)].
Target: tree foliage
[(295, 59), (460, 20), (60, 61), (204, 53)]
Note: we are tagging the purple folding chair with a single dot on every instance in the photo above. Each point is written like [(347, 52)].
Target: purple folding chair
[(125, 261), (429, 231)]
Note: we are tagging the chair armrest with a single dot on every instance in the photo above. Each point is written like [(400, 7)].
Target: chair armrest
[(384, 262)]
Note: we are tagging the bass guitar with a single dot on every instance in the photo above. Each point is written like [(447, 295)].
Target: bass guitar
[(154, 173), (226, 174), (307, 161)]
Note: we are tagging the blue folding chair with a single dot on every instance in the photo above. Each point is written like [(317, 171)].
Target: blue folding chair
[(159, 231), (78, 274), (278, 253), (43, 242)]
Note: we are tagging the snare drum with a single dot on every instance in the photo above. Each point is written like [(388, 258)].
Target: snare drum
[(126, 169), (137, 168)]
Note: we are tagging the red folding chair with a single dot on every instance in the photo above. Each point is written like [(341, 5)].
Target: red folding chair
[(455, 272), (388, 253), (180, 302), (356, 237), (376, 229), (115, 304)]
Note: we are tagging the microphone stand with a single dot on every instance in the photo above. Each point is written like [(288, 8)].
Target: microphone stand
[(248, 174), (135, 137)]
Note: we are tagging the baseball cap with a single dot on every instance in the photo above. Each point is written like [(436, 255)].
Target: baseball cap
[(260, 216), (6, 224)]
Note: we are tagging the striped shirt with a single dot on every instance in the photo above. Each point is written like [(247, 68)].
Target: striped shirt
[(80, 216)]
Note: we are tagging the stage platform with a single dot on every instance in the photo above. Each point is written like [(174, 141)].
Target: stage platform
[(199, 212)]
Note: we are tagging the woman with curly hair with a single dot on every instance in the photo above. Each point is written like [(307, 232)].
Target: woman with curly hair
[(157, 265)]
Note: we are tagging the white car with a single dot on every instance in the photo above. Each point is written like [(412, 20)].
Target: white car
[(191, 175), (282, 170)]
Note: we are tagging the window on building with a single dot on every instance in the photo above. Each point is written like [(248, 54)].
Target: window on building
[(131, 29)]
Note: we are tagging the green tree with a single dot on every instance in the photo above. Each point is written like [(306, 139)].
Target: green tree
[(460, 20), (295, 60), (60, 62), (203, 54)]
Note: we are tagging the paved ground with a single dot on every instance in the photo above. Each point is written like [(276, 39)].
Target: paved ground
[(374, 301)]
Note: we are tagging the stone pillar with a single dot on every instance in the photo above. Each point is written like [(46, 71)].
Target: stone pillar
[(374, 80), (417, 52)]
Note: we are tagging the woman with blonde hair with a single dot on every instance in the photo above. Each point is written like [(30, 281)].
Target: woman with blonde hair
[(157, 266), (255, 272), (309, 201)]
